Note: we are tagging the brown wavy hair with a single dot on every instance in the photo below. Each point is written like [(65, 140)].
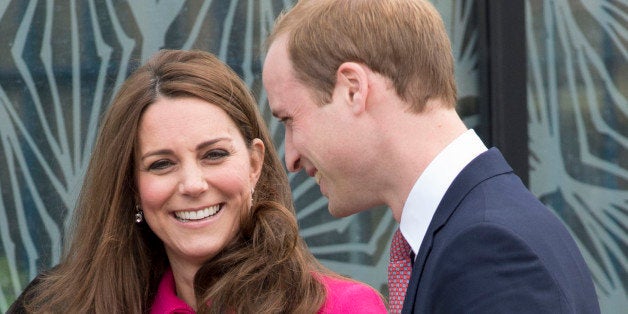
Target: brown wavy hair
[(404, 40), (113, 265)]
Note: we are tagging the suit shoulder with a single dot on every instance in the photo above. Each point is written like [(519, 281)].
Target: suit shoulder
[(492, 266)]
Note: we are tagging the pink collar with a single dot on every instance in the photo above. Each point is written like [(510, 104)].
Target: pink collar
[(166, 300)]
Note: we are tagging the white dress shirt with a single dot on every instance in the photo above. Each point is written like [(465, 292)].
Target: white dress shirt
[(431, 186)]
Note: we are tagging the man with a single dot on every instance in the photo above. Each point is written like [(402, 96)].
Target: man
[(367, 94)]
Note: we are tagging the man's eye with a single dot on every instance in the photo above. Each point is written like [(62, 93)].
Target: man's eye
[(216, 154), (160, 164), (285, 121)]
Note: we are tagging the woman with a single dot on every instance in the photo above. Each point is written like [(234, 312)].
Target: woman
[(186, 207)]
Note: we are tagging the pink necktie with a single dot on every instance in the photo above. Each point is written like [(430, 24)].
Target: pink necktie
[(399, 270)]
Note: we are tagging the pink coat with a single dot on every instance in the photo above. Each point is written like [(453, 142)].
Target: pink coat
[(343, 296)]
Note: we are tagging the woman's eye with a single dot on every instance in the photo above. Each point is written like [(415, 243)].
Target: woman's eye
[(216, 154), (160, 165)]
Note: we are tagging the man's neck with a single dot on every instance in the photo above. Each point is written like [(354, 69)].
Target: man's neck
[(413, 142)]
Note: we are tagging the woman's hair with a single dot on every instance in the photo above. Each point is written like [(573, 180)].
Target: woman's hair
[(404, 40), (114, 265)]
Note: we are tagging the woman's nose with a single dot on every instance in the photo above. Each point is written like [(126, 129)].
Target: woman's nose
[(193, 182)]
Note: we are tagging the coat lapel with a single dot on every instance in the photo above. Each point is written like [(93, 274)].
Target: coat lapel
[(483, 167)]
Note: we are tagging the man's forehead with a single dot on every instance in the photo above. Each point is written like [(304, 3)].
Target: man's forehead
[(277, 67)]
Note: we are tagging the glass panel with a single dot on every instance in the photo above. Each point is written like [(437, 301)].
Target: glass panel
[(62, 62), (578, 129)]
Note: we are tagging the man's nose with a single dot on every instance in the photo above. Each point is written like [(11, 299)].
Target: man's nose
[(293, 158)]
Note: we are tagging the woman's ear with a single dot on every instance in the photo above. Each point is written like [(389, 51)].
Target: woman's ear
[(257, 159), (353, 85)]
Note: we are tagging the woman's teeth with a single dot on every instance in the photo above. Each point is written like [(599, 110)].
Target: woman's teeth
[(197, 214)]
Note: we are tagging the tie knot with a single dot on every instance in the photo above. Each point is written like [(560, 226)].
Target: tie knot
[(399, 247)]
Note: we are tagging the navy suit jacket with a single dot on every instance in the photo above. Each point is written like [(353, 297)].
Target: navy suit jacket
[(492, 247)]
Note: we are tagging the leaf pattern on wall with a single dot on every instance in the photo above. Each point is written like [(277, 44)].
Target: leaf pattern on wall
[(578, 129), (62, 62)]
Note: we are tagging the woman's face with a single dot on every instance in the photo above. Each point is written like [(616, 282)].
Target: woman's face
[(195, 175)]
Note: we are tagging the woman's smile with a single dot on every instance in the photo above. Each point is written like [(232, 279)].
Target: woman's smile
[(199, 214)]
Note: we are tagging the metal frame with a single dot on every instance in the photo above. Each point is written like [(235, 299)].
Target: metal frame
[(503, 80)]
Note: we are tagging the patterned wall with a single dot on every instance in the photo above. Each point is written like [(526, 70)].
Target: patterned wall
[(578, 129), (62, 61)]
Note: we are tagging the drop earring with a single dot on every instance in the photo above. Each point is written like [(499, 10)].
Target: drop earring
[(139, 214)]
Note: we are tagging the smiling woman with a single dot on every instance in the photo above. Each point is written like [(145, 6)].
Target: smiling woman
[(195, 177), (186, 207)]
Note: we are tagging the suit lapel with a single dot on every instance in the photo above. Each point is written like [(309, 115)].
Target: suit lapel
[(483, 167)]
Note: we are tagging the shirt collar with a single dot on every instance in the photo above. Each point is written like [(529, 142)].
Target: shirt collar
[(432, 184)]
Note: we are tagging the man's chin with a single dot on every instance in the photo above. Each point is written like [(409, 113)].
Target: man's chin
[(339, 211)]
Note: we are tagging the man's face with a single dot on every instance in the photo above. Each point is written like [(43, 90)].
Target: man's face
[(318, 139)]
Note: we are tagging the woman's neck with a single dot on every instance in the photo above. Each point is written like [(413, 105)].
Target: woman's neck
[(184, 281)]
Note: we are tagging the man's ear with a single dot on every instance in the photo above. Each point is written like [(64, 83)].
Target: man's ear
[(353, 85)]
